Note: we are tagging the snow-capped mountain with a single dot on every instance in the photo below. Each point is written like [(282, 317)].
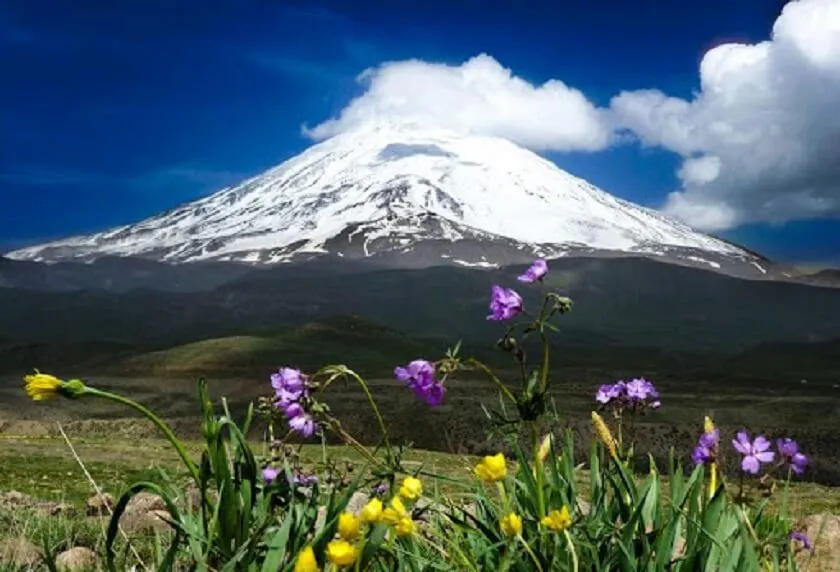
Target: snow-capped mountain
[(411, 195)]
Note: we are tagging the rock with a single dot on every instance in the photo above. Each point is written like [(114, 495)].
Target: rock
[(77, 559), (16, 500), (357, 502), (19, 552), (145, 502), (583, 507), (154, 520), (63, 508), (826, 542), (99, 505)]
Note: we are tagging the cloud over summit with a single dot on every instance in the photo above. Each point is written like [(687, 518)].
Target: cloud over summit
[(479, 96)]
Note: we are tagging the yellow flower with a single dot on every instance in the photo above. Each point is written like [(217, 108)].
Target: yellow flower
[(604, 434), (492, 468), (405, 526), (341, 553), (558, 520), (40, 386), (372, 511), (411, 488), (306, 561), (545, 447), (511, 524), (394, 512), (348, 526), (708, 425)]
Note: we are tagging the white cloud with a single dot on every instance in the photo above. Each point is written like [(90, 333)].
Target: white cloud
[(479, 96), (761, 140)]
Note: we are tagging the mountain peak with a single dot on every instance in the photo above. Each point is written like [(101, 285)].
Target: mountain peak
[(407, 191)]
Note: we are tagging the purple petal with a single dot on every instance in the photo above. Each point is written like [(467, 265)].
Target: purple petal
[(303, 424), (750, 465), (270, 474), (760, 444), (765, 456), (401, 374), (742, 443), (434, 395)]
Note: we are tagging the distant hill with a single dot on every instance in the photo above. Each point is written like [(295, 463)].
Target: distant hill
[(348, 340), (619, 302)]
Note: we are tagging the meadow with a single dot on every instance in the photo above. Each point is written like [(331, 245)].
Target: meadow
[(496, 474)]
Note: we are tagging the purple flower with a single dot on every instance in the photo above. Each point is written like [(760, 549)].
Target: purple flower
[(302, 480), (706, 449), (803, 539), (419, 376), (754, 452), (789, 453), (381, 489), (303, 424), (290, 388), (535, 272), (639, 390), (608, 392), (504, 304), (270, 474)]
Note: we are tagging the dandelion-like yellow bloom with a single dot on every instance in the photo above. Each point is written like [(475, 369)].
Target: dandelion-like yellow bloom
[(349, 526), (545, 448), (405, 526), (604, 434), (306, 562), (492, 468), (511, 524), (40, 386), (395, 511), (372, 511), (411, 488), (708, 425), (341, 553), (558, 520)]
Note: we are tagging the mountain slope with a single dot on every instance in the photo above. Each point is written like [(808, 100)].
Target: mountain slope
[(627, 301), (423, 196)]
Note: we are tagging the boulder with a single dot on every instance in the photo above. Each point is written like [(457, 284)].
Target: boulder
[(99, 505), (78, 559), (19, 552)]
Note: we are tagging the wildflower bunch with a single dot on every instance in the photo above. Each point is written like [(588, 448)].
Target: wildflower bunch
[(292, 397)]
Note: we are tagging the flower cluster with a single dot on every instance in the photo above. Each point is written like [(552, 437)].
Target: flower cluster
[(754, 452), (271, 474), (419, 376), (352, 529), (292, 393), (637, 393)]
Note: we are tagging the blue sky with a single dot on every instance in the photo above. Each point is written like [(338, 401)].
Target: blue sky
[(114, 111)]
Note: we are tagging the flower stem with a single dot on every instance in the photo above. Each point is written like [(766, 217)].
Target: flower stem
[(164, 428), (571, 550), (535, 440), (343, 370), (487, 371), (530, 552)]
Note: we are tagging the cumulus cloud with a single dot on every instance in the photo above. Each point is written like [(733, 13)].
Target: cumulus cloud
[(479, 96), (761, 139)]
